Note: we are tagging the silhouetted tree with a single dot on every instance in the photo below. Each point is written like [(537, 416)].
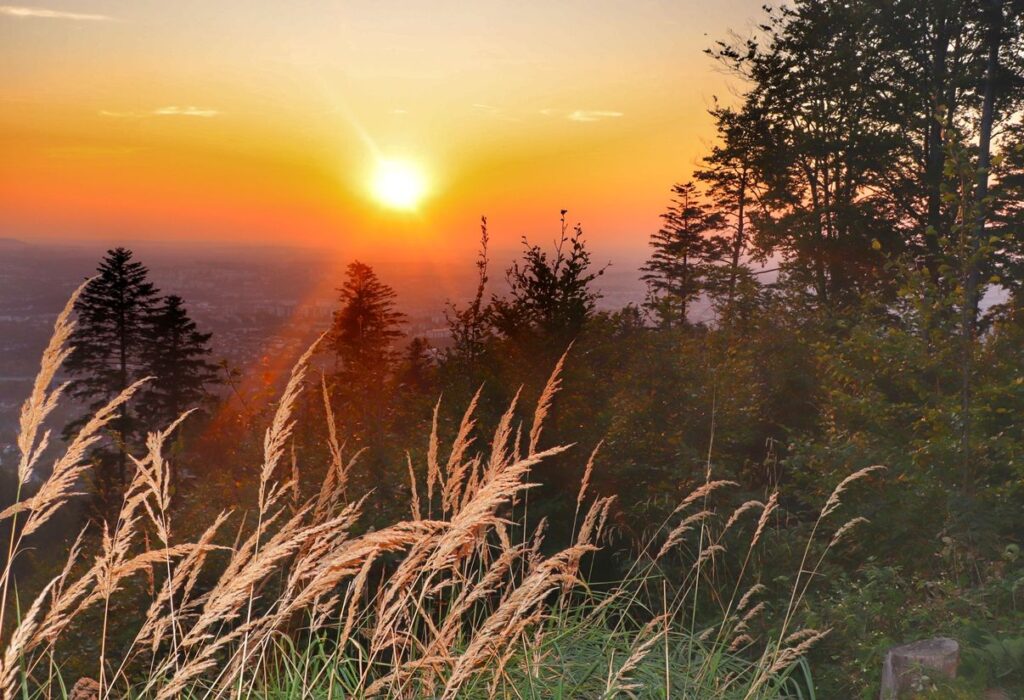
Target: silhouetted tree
[(729, 175), (1007, 217), (367, 325), (364, 334), (684, 255), (822, 157), (417, 366), (109, 344), (470, 327), (858, 106), (549, 295), (176, 356)]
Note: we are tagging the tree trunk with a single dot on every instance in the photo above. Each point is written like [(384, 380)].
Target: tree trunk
[(936, 145), (737, 244), (969, 309)]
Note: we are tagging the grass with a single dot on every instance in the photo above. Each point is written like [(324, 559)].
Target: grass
[(460, 600)]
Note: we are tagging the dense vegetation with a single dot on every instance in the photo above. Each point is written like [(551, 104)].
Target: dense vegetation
[(855, 232)]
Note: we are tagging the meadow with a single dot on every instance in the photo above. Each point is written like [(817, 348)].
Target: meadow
[(460, 599)]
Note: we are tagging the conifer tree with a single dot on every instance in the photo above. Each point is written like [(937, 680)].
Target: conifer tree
[(364, 339), (417, 366), (176, 356), (109, 344), (366, 326), (684, 254)]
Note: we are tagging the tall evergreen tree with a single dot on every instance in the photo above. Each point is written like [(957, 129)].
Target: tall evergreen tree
[(364, 338), (367, 325), (417, 367), (176, 355), (684, 255), (109, 346)]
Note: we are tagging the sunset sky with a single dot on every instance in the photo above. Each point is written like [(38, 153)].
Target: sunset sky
[(267, 122)]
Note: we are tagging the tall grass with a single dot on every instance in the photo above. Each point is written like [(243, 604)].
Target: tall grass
[(460, 600)]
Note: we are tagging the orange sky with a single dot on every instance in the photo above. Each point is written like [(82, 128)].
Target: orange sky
[(262, 121)]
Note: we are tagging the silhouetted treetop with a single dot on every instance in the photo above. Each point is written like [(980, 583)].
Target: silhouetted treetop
[(549, 293)]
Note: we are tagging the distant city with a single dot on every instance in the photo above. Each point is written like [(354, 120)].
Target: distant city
[(261, 304)]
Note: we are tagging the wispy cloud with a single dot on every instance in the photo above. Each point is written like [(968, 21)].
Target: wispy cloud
[(188, 111), (41, 13), (168, 111), (592, 115)]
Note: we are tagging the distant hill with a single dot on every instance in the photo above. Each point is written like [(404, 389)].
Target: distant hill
[(7, 242)]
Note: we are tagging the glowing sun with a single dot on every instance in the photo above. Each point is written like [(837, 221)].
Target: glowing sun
[(398, 184)]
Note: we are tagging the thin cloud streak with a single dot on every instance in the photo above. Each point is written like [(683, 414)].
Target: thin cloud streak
[(592, 115), (188, 111), (169, 111), (41, 13)]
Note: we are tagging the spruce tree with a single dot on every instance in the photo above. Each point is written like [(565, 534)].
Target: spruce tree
[(366, 326), (364, 335), (684, 254), (109, 344), (176, 355), (417, 367)]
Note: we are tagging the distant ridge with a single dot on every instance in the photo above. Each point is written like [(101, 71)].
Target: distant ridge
[(8, 241)]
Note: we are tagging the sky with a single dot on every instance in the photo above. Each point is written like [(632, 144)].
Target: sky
[(269, 122)]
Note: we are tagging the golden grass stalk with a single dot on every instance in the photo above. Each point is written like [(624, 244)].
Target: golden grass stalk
[(547, 397), (42, 400), (587, 471), (620, 681)]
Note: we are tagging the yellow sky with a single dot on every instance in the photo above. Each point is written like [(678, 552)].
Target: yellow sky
[(261, 121)]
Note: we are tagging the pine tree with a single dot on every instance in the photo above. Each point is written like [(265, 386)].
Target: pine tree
[(684, 255), (364, 338), (366, 327), (176, 356), (109, 342), (417, 367)]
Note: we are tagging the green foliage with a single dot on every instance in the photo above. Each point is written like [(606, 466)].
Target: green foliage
[(571, 661), (126, 333), (177, 359), (683, 256), (550, 295)]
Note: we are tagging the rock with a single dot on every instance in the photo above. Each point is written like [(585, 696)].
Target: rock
[(85, 689), (913, 667)]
